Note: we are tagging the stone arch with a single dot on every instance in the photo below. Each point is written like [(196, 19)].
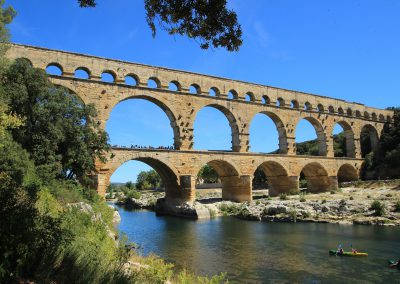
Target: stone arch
[(320, 108), (234, 186), (111, 73), (214, 91), (308, 106), (331, 109), (195, 89), (340, 111), (232, 123), (132, 77), (280, 127), (26, 59), (374, 116), (347, 173), (83, 69), (349, 136), (232, 95), (278, 179), (294, 104), (358, 113), (168, 174), (349, 112), (388, 118), (166, 109), (249, 97), (321, 137), (265, 100), (366, 115), (317, 177), (58, 68), (280, 102), (381, 118), (175, 86), (156, 81), (369, 140)]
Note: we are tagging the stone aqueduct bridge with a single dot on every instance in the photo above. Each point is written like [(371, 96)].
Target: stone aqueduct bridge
[(178, 168)]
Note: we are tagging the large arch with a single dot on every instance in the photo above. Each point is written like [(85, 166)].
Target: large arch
[(349, 139), (369, 140), (232, 124), (280, 127), (317, 178), (169, 113), (347, 173), (277, 178), (321, 137)]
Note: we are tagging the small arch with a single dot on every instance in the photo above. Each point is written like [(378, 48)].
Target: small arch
[(331, 109), (233, 95), (280, 102), (265, 100), (347, 173), (307, 106), (320, 108), (349, 112), (131, 80), (374, 116), (366, 115), (389, 118), (153, 83), (381, 117), (174, 86), (54, 69), (195, 89), (340, 110), (358, 113), (317, 178), (108, 76), (214, 92), (249, 97), (25, 59), (294, 104), (82, 73)]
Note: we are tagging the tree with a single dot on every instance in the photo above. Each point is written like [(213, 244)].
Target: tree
[(260, 179), (207, 174), (59, 131), (148, 180), (208, 21)]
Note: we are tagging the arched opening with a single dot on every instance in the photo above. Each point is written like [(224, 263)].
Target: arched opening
[(273, 176), (223, 135), (343, 140), (317, 178), (232, 95), (347, 173), (224, 175), (174, 86), (249, 97), (214, 92), (381, 117), (389, 119), (195, 89), (358, 113), (340, 111), (143, 123), (307, 106), (294, 104), (310, 137), (131, 80), (331, 109), (320, 108), (153, 83), (268, 134), (82, 73), (54, 69), (373, 116), (369, 140), (349, 112), (265, 100), (108, 76), (366, 115), (140, 175), (280, 102)]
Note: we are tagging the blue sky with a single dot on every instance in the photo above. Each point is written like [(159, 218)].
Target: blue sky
[(344, 49)]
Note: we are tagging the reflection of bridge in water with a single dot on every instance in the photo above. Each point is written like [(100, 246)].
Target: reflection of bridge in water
[(181, 95)]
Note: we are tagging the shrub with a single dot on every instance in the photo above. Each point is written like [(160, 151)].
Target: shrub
[(302, 197), (323, 201), (351, 198), (389, 195), (368, 196), (229, 209), (133, 194), (333, 191), (378, 207), (283, 196), (293, 215)]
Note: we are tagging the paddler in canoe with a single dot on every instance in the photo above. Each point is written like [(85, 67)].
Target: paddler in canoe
[(394, 264), (341, 252)]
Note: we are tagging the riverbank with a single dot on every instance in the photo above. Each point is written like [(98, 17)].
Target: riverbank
[(364, 203)]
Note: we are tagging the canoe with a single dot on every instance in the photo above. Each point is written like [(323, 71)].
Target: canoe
[(347, 253), (392, 264)]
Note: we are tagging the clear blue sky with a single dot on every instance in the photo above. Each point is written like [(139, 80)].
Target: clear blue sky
[(344, 49)]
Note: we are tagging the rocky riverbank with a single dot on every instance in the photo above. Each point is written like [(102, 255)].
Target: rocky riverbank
[(367, 203)]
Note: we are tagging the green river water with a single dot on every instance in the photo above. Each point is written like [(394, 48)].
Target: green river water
[(257, 252)]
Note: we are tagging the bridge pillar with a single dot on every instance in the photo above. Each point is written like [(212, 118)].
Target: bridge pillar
[(357, 148), (185, 193), (291, 145), (243, 144), (322, 183), (330, 151), (282, 184), (237, 189)]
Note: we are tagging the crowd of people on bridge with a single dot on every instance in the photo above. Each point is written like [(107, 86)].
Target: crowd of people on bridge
[(145, 147)]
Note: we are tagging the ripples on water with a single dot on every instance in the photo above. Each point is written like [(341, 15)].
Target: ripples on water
[(256, 252)]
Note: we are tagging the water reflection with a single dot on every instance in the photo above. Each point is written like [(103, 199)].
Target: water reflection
[(255, 252)]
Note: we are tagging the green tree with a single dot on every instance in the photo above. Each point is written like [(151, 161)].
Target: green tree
[(207, 174), (148, 180), (60, 131), (259, 180), (209, 22)]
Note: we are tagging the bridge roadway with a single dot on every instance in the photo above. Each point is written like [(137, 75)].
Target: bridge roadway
[(179, 168)]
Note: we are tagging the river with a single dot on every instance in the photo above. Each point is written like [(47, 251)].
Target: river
[(256, 252)]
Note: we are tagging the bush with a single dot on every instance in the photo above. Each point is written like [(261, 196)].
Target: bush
[(133, 194), (397, 206), (229, 209), (323, 201), (302, 197), (283, 196), (351, 198), (378, 207)]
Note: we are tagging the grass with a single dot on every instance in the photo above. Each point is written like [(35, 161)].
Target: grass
[(397, 206), (378, 207), (283, 196)]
